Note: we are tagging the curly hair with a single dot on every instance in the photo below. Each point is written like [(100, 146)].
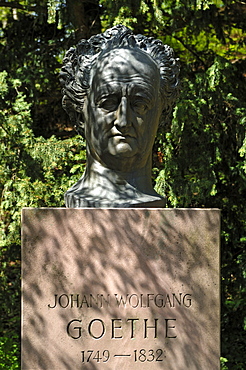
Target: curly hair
[(78, 62)]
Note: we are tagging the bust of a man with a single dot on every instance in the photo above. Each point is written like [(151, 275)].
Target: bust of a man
[(117, 89)]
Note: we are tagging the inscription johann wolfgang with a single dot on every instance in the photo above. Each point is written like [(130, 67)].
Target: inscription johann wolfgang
[(122, 328), (133, 300)]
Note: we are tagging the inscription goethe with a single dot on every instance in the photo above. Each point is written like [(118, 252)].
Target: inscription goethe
[(117, 328), (129, 300)]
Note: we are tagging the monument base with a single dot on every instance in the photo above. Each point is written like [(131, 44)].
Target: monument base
[(120, 289)]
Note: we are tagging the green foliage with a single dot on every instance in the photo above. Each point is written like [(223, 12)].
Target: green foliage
[(223, 362), (210, 113), (196, 29), (9, 354), (35, 172), (199, 160), (31, 51)]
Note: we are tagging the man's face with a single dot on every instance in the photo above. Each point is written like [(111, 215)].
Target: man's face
[(123, 109)]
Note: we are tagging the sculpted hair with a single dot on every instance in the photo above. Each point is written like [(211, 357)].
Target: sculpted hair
[(78, 62)]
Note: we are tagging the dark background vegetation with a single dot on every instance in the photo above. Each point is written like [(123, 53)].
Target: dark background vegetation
[(199, 160)]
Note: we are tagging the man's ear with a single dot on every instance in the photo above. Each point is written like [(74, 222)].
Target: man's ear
[(75, 112), (80, 123)]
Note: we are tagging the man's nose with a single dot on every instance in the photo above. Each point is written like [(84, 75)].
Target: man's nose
[(122, 113)]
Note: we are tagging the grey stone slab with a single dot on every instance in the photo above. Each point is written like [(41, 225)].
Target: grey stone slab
[(120, 289)]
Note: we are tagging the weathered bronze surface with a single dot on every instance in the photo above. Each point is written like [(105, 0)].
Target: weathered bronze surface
[(118, 88)]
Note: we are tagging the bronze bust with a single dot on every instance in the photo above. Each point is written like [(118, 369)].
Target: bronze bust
[(117, 89)]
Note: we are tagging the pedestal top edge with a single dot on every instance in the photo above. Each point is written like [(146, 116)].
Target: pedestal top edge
[(124, 209)]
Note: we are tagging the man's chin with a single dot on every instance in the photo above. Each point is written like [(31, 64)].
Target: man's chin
[(121, 158), (122, 150)]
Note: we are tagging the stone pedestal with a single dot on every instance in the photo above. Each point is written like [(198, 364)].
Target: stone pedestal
[(120, 289)]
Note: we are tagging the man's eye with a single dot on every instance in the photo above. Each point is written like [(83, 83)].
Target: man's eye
[(140, 106), (108, 104)]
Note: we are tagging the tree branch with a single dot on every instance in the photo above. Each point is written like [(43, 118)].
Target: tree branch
[(12, 5), (186, 46)]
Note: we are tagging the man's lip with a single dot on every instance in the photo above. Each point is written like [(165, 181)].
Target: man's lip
[(120, 134)]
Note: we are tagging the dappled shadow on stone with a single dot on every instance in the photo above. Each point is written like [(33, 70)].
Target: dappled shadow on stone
[(162, 262)]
